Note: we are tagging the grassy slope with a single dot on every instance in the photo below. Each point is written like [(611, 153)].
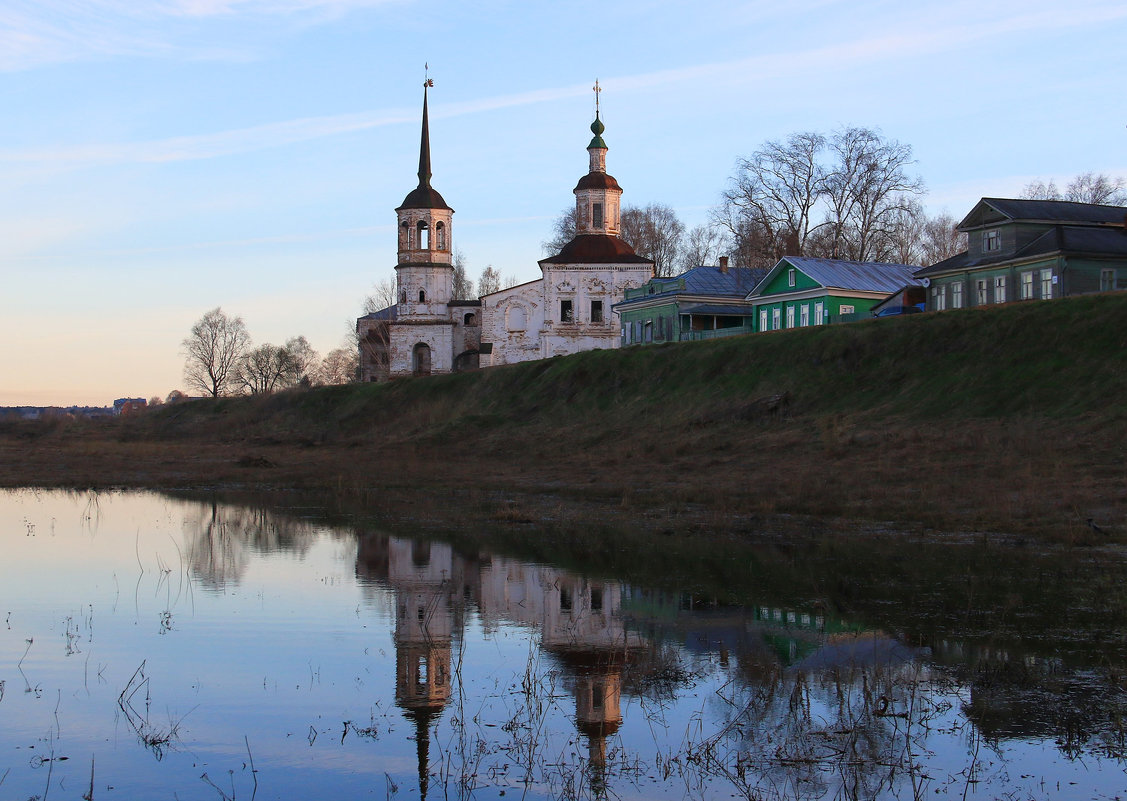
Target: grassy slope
[(1010, 418), (1045, 360)]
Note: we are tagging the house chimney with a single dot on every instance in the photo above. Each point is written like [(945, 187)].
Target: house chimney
[(723, 264)]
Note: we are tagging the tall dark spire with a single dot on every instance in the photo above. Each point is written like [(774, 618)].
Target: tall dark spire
[(424, 142), (424, 195)]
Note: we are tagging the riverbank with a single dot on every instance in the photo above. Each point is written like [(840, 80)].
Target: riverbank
[(1008, 419)]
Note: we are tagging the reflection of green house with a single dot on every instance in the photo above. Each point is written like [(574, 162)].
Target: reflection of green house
[(702, 303), (801, 291), (1031, 250)]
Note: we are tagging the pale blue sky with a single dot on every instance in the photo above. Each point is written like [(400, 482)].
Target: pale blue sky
[(158, 159)]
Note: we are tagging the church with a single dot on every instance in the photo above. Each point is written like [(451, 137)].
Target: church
[(566, 311)]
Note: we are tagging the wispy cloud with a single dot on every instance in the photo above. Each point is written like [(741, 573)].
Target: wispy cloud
[(911, 37), (36, 33)]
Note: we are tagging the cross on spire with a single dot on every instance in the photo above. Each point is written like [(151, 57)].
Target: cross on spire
[(597, 90)]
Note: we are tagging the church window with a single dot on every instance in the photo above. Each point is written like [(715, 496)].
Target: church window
[(596, 311), (566, 314), (470, 319), (405, 236), (596, 215), (422, 296), (515, 318), (440, 236), (420, 359), (424, 236), (565, 599), (403, 296), (596, 599)]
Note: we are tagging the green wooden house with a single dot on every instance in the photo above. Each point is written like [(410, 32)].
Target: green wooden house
[(800, 291), (1030, 250), (701, 303)]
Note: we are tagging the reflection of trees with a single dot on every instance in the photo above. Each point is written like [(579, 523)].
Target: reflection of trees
[(219, 537), (1081, 711)]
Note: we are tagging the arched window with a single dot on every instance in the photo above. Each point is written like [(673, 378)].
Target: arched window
[(440, 235), (470, 319), (515, 319), (403, 296), (404, 236), (424, 236), (422, 296)]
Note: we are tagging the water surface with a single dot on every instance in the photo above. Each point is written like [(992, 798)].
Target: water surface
[(156, 647)]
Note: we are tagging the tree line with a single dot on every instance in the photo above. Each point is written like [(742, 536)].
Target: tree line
[(221, 359), (850, 194)]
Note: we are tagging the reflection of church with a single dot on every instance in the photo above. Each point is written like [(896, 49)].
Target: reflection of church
[(568, 310), (579, 621)]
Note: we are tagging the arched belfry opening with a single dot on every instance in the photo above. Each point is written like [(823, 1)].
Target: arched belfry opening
[(423, 238)]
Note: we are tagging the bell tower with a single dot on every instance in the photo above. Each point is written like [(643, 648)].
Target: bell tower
[(597, 195), (424, 270)]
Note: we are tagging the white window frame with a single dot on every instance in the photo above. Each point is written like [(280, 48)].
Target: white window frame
[(982, 291), (1107, 280), (792, 278), (790, 316), (1000, 288), (939, 297), (1026, 290), (804, 315), (957, 295), (846, 309), (776, 318), (1047, 284), (819, 313), (763, 320), (991, 241)]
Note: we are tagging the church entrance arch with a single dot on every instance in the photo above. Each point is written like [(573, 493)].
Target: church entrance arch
[(420, 359), (466, 361)]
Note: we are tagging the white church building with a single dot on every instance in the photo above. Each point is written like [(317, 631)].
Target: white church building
[(566, 311)]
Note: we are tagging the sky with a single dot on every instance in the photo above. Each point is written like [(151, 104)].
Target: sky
[(162, 158)]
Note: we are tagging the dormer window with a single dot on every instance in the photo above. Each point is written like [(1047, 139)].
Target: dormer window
[(991, 241)]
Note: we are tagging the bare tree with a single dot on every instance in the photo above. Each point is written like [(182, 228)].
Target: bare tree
[(904, 235), (1088, 187), (655, 233), (941, 239), (509, 281), (382, 296), (214, 351), (490, 280), (868, 190), (563, 231), (1093, 188), (338, 366), (271, 367), (703, 244), (773, 196), (462, 288)]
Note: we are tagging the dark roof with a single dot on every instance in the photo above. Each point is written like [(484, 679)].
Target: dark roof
[(860, 276), (464, 302), (596, 249), (423, 197), (998, 209), (391, 313), (597, 180), (1057, 239)]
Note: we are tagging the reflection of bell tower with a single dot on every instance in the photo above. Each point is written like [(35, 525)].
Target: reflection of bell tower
[(598, 714), (425, 620)]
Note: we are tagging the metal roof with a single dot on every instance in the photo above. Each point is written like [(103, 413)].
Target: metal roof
[(704, 280), (1053, 211), (1057, 239), (861, 276), (391, 313)]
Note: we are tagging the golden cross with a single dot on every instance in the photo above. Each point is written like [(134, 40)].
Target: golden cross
[(597, 90)]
